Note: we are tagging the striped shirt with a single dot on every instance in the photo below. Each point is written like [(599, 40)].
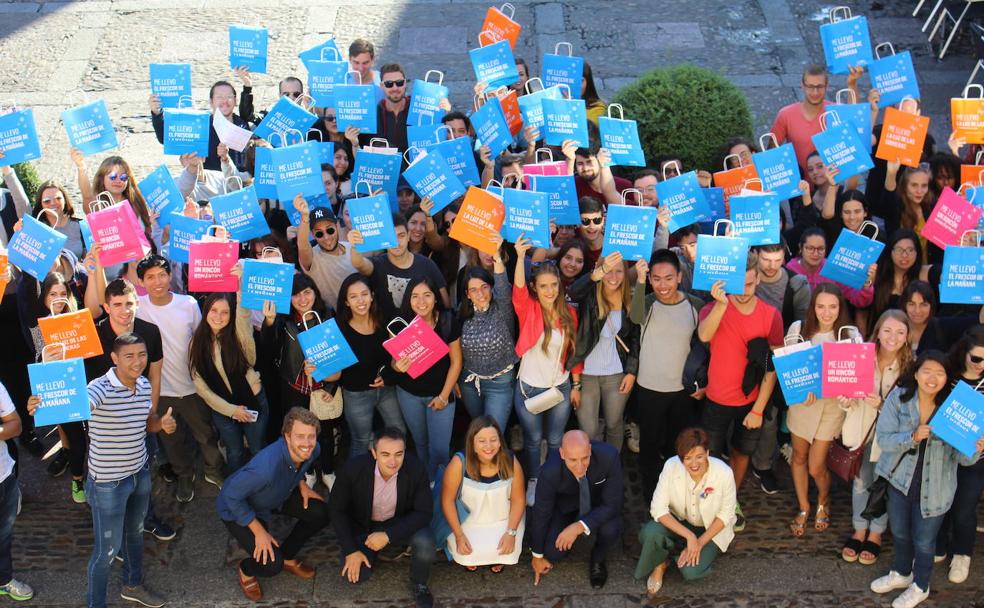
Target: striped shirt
[(118, 427)]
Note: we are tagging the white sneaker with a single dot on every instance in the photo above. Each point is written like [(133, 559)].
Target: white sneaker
[(890, 582), (632, 437), (939, 559), (959, 568), (911, 597), (328, 479), (310, 479), (531, 492)]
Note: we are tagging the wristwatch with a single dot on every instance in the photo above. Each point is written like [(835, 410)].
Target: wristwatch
[(511, 531)]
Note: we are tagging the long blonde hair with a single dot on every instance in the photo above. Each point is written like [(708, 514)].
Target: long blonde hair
[(560, 310), (905, 354), (909, 217), (604, 307)]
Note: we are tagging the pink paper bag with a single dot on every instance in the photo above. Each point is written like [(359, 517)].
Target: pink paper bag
[(553, 167), (950, 218), (209, 264), (419, 342), (848, 369), (118, 230)]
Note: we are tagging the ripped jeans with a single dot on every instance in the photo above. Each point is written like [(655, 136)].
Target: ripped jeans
[(118, 510)]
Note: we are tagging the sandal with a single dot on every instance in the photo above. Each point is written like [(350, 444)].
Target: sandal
[(653, 586), (872, 548), (798, 525), (822, 523), (471, 568), (854, 545), (496, 569)]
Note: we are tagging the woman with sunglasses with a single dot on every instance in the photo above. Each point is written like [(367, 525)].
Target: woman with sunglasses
[(929, 330), (53, 196), (544, 357), (958, 533), (921, 470)]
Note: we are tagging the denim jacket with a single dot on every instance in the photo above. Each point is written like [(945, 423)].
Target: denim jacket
[(896, 424)]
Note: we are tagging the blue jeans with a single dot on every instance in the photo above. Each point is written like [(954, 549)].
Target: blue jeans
[(231, 433), (430, 429), (960, 522), (118, 509), (359, 407), (496, 398), (913, 536), (859, 496), (555, 418), (9, 495)]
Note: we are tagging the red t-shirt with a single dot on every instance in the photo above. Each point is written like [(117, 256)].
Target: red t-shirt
[(583, 188), (729, 350), (791, 126)]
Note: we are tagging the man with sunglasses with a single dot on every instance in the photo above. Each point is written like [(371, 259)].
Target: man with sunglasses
[(290, 87), (328, 263), (393, 109)]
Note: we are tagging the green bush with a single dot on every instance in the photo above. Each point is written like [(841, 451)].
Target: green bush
[(28, 177), (686, 111)]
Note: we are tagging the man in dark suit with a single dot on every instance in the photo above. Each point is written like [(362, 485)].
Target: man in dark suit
[(384, 498), (579, 491)]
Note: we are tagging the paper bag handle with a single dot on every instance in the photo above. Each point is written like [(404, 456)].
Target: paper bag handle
[(321, 138), (44, 351), (864, 225), (305, 315), (284, 143), (977, 241), (273, 249), (621, 113), (740, 164), (844, 11), (437, 131), (797, 338), (730, 228), (355, 190), (305, 101), (841, 331), (977, 87), (375, 140), (913, 100), (51, 211), (962, 191), (823, 119), (440, 74), (225, 183), (667, 166), (512, 10), (530, 81), (564, 86), (213, 235), (105, 195), (487, 34), (359, 74), (878, 47), (396, 319), (65, 300), (406, 158), (570, 48), (185, 99), (547, 150), (854, 96), (98, 205), (494, 183), (333, 50), (753, 180), (637, 192), (769, 135), (72, 95)]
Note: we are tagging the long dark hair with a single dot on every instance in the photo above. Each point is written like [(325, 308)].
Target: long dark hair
[(925, 290), (68, 211), (590, 90), (201, 358), (574, 243), (50, 280), (907, 381), (885, 274), (302, 282), (972, 338), (346, 147), (503, 459), (466, 310), (811, 325), (344, 314), (407, 311)]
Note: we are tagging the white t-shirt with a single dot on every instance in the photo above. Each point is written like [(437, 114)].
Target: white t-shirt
[(540, 369), (328, 271), (177, 322), (6, 408)]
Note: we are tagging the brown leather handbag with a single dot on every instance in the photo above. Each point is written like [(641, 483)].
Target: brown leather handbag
[(846, 463)]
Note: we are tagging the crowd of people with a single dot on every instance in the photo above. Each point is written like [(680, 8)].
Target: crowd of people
[(195, 382)]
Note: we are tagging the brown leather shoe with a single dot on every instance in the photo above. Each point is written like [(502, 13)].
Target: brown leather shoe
[(299, 569), (251, 587)]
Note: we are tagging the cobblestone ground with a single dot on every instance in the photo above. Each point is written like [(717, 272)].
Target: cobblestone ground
[(49, 51)]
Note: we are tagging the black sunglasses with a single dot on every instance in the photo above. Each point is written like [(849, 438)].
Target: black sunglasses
[(587, 221), (320, 233), (537, 265), (975, 359), (389, 84)]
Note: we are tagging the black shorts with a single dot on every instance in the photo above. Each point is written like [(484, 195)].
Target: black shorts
[(724, 421)]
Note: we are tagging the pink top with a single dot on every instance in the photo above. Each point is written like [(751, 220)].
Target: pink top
[(383, 496), (791, 126), (860, 298)]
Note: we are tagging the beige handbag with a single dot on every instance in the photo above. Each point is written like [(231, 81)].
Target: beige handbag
[(326, 406)]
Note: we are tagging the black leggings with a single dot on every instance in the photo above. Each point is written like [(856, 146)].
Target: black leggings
[(75, 432), (661, 417)]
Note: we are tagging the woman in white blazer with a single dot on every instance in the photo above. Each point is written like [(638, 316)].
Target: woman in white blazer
[(693, 508)]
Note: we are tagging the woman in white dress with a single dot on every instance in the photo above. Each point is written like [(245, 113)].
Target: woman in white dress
[(483, 497)]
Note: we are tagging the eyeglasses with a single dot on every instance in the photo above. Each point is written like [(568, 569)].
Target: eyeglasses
[(812, 249), (122, 177), (389, 84), (587, 221), (904, 250), (330, 117), (975, 359), (294, 94), (320, 233)]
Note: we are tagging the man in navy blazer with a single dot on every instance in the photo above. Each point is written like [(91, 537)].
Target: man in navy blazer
[(384, 498), (579, 492)]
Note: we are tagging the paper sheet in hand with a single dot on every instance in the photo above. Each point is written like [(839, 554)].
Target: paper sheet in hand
[(235, 137)]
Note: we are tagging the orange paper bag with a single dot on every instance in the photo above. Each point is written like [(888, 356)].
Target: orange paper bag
[(75, 330), (479, 221), (967, 115), (902, 137), (973, 174), (4, 269), (509, 102), (733, 180), (499, 23)]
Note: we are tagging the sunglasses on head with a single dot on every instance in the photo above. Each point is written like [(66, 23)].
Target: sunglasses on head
[(118, 177), (389, 84), (975, 359), (587, 221), (544, 263), (320, 233)]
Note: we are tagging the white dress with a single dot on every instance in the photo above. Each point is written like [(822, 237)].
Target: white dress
[(487, 520)]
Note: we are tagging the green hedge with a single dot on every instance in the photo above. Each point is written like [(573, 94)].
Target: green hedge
[(686, 111), (28, 177)]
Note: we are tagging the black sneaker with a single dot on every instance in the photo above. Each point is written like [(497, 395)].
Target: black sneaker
[(58, 464), (185, 491), (159, 529), (167, 473), (422, 597), (31, 443), (767, 480)]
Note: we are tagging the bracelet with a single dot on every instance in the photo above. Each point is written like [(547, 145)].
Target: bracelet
[(443, 400), (512, 531), (576, 386), (759, 414)]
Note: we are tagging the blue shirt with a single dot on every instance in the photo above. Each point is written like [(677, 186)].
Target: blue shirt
[(262, 485)]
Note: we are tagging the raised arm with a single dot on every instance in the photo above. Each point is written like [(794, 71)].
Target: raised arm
[(305, 253), (709, 324)]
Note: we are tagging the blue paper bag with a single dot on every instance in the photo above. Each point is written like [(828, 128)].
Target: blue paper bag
[(839, 145), (491, 128), (265, 281), (756, 218), (184, 230), (526, 212), (89, 128), (421, 136), (685, 198), (958, 419), (565, 70), (240, 214), (162, 194), (186, 131), (35, 248), (326, 149), (894, 77), (170, 82), (531, 105), (316, 52), (459, 154), (425, 100), (355, 106), (323, 75), (372, 216), (720, 258), (850, 258), (714, 197), (62, 388), (621, 138), (799, 373), (561, 194), (285, 115), (380, 170), (298, 171), (778, 170), (630, 230), (846, 42), (565, 119), (87, 239), (326, 347), (430, 175), (494, 64), (248, 48), (857, 115), (962, 277), (19, 137), (264, 174)]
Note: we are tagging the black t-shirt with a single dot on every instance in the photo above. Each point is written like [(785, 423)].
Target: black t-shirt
[(389, 279), (371, 356), (99, 365), (430, 383)]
